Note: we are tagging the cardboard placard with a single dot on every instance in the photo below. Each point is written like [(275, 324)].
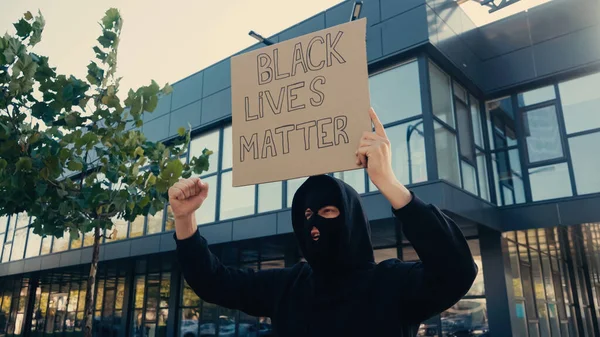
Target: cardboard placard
[(299, 107)]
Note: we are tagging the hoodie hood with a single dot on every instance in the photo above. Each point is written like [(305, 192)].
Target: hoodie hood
[(345, 242)]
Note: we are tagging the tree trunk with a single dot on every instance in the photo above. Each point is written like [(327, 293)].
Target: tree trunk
[(91, 286)]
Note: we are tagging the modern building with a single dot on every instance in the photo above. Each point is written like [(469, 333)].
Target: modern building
[(497, 124)]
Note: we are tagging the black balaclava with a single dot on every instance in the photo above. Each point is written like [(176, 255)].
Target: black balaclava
[(344, 243)]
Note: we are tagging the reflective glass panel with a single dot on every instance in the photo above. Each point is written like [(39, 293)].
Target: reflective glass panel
[(235, 201), (136, 228), (18, 249), (536, 96), (465, 131), (61, 244), (447, 154), (469, 177), (292, 187), (207, 212), (227, 148), (482, 174), (586, 162), (354, 178), (441, 95), (466, 315), (209, 140), (3, 223), (118, 230), (580, 100), (46, 243), (154, 224), (478, 287), (549, 182), (396, 93), (476, 120), (542, 134), (269, 196), (33, 244)]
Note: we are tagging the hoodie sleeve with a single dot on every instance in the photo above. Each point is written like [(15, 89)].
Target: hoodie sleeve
[(446, 271), (253, 292)]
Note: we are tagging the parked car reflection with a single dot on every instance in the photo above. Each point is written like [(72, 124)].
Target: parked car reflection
[(226, 328)]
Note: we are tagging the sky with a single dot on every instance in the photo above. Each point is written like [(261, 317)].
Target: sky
[(170, 40), (161, 40)]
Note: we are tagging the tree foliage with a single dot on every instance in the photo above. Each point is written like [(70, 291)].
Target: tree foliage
[(69, 155)]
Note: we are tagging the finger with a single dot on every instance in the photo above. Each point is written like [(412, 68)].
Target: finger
[(182, 186), (177, 193), (369, 135), (203, 186), (379, 130), (366, 142), (198, 186), (190, 187), (363, 154)]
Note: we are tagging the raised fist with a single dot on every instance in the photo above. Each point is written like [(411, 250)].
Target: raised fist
[(186, 196)]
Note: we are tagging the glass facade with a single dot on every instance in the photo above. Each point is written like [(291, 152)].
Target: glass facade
[(14, 294), (459, 141), (555, 277)]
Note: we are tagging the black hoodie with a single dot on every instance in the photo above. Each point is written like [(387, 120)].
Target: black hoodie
[(345, 297)]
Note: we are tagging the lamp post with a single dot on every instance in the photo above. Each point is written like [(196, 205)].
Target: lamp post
[(409, 132), (356, 10), (260, 38)]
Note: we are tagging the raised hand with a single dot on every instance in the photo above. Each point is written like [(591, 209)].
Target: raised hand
[(186, 196), (375, 155)]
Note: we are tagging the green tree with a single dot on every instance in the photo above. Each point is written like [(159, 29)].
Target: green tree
[(60, 135)]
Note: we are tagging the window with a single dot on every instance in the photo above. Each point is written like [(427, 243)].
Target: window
[(209, 140), (46, 245), (18, 248), (441, 97), (584, 155), (235, 201), (61, 244), (447, 154), (505, 155), (3, 228), (34, 242), (10, 233), (476, 121), (542, 134), (151, 298), (118, 230), (136, 228), (269, 196), (396, 93), (469, 177), (580, 103), (154, 223), (227, 148), (465, 131), (207, 212), (536, 96), (466, 315), (292, 187), (408, 152), (354, 178), (549, 182), (482, 173)]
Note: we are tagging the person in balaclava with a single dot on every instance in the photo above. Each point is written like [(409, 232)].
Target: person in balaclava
[(339, 290)]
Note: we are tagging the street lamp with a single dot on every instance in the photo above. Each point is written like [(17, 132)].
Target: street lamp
[(260, 38), (356, 10)]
